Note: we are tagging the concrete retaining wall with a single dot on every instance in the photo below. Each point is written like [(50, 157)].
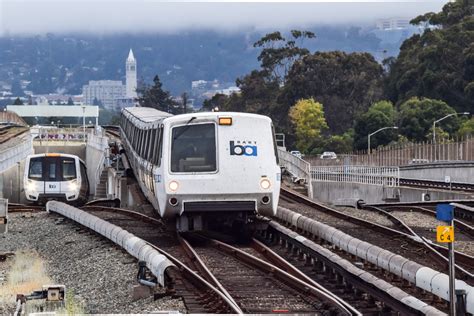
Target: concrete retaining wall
[(71, 148), (11, 183), (458, 172), (96, 156), (334, 192)]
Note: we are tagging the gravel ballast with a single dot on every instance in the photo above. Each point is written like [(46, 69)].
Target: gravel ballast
[(100, 274)]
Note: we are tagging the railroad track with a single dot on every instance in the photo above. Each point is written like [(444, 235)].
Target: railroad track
[(206, 300), (392, 238), (455, 186), (9, 132), (241, 270)]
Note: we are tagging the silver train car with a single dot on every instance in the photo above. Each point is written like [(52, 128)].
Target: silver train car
[(55, 176), (199, 167)]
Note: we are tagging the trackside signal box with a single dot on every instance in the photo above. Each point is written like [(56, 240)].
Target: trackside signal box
[(3, 216)]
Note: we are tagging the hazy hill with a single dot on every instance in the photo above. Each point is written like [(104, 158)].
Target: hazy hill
[(63, 63)]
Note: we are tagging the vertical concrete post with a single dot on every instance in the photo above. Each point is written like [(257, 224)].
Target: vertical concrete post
[(3, 216)]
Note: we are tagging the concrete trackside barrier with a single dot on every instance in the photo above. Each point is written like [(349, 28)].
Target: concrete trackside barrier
[(423, 277), (391, 290), (137, 247)]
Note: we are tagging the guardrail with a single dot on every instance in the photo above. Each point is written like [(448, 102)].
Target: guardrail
[(383, 176), (297, 167)]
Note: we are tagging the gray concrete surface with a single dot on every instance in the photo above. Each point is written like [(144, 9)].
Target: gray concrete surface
[(332, 192)]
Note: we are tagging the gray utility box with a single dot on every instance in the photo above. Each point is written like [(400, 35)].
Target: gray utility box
[(3, 216)]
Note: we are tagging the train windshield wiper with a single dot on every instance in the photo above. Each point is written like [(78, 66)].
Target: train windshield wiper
[(186, 127)]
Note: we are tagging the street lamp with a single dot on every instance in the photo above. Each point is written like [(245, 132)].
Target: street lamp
[(444, 117), (379, 130), (83, 119)]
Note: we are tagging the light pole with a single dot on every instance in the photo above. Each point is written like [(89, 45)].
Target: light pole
[(434, 128), (371, 134), (444, 117), (83, 119)]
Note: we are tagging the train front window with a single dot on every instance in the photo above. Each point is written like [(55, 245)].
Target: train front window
[(69, 169), (36, 169), (193, 148), (51, 167)]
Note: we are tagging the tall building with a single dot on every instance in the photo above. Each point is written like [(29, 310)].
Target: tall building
[(114, 94), (131, 75), (104, 91)]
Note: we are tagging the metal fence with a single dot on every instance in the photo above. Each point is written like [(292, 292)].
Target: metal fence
[(297, 167), (383, 176), (399, 155)]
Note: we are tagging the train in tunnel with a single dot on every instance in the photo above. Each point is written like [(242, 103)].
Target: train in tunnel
[(55, 176), (200, 166)]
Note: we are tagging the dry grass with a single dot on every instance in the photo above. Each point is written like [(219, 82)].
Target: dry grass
[(27, 273)]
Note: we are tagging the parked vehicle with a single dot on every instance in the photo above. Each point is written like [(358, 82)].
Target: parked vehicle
[(296, 153), (328, 155)]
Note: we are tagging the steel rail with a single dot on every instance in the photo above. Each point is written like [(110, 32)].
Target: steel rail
[(374, 288), (287, 278), (283, 264), (453, 186), (465, 259), (439, 251), (465, 227), (202, 268), (192, 276)]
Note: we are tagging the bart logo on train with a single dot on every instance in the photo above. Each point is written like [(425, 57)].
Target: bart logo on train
[(240, 150)]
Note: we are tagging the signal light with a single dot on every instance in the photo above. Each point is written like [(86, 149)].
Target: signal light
[(225, 121), (53, 155)]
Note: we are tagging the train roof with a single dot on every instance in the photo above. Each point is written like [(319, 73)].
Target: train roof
[(56, 155), (147, 115), (183, 117)]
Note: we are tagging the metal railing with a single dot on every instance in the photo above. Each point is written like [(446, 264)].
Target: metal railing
[(383, 176), (297, 167)]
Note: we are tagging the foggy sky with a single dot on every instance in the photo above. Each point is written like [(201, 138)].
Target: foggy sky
[(24, 17)]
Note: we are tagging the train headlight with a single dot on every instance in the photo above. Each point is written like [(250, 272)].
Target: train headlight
[(73, 186), (173, 185), (30, 186), (265, 184)]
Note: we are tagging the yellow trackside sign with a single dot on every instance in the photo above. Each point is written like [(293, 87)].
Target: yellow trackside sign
[(445, 234)]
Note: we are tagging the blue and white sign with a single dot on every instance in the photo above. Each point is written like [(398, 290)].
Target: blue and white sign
[(444, 212)]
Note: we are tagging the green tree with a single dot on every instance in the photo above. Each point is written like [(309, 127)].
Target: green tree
[(278, 53), (307, 116), (438, 64), (18, 102), (380, 114), (70, 101), (417, 117), (467, 128), (217, 101), (155, 97), (347, 84)]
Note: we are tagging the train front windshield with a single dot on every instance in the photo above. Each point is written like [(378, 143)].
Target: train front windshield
[(52, 169), (193, 148)]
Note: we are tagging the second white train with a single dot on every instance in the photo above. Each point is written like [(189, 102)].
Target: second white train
[(215, 165)]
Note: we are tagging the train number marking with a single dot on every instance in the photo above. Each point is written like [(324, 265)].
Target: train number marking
[(52, 186), (445, 234)]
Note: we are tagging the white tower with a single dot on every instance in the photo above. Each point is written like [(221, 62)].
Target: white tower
[(131, 76)]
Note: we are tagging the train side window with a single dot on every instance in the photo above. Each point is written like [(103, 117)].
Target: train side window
[(36, 169), (275, 148), (159, 147), (151, 142), (142, 142)]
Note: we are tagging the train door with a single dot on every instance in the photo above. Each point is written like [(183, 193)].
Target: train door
[(52, 175)]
